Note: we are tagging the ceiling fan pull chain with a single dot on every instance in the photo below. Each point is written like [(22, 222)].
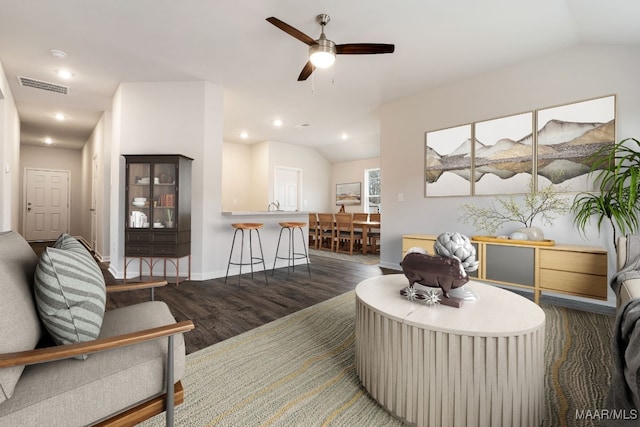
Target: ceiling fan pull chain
[(313, 83)]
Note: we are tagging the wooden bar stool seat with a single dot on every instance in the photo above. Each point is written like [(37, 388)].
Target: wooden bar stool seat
[(292, 255), (251, 227)]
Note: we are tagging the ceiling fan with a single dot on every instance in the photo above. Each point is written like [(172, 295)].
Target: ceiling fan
[(322, 52)]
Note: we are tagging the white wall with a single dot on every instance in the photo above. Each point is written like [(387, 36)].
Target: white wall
[(570, 75), (171, 118), (97, 146), (351, 172), (35, 157), (9, 158)]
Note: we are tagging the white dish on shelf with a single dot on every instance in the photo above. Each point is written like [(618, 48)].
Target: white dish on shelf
[(138, 204)]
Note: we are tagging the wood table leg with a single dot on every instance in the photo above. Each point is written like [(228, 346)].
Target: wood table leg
[(365, 238)]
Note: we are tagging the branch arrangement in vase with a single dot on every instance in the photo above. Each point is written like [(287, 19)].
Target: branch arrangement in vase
[(541, 207)]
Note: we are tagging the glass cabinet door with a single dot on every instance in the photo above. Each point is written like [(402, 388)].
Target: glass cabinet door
[(139, 195), (164, 195)]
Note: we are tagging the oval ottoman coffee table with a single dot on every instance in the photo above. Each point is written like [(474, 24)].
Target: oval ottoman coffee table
[(478, 365)]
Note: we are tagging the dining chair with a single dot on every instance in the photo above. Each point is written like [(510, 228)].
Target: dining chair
[(346, 235), (359, 216), (373, 235), (326, 231), (313, 230)]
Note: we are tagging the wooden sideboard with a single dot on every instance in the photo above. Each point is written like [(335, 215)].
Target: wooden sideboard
[(566, 269)]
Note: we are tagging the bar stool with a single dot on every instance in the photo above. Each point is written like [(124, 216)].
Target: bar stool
[(292, 255), (252, 260)]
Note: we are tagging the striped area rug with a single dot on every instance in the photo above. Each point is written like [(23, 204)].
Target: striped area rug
[(299, 371)]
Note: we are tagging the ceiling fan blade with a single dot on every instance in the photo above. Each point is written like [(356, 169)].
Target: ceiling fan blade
[(306, 71), (291, 31), (364, 48)]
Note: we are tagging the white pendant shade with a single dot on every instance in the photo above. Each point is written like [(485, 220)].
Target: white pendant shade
[(322, 54)]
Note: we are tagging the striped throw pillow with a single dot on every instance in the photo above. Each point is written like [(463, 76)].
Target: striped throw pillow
[(70, 294), (69, 243)]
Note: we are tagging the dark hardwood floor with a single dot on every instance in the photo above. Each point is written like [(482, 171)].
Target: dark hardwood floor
[(222, 310)]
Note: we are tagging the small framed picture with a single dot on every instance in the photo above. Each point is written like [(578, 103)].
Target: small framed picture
[(349, 194)]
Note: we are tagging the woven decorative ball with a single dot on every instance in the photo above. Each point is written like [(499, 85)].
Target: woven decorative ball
[(458, 246)]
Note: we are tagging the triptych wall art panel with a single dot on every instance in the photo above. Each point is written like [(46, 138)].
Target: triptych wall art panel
[(553, 145)]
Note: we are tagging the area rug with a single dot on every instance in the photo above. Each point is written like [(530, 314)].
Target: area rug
[(369, 259), (299, 371)]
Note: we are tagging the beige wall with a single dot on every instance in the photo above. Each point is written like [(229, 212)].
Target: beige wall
[(236, 177), (35, 157), (351, 172), (9, 158), (248, 170), (570, 75), (316, 173)]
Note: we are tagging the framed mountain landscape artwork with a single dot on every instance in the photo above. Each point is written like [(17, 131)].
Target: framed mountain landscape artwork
[(448, 162), (503, 159), (567, 138), (349, 194)]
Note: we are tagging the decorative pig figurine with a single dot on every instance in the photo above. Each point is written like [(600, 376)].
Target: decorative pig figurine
[(434, 271)]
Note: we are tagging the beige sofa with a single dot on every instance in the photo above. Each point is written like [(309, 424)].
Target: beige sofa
[(630, 288), (137, 357)]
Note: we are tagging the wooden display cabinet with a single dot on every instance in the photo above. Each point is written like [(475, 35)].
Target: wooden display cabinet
[(566, 269), (158, 209)]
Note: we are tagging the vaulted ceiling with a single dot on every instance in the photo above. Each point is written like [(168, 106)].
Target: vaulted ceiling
[(231, 44)]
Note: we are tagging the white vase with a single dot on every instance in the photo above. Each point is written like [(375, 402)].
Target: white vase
[(532, 233)]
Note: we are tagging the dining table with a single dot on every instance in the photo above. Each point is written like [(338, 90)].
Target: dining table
[(365, 226)]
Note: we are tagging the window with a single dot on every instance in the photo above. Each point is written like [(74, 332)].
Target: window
[(372, 192)]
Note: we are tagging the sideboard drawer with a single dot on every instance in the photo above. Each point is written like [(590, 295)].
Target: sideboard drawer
[(582, 284), (578, 262), (410, 242)]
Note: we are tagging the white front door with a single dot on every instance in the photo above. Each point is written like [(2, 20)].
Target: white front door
[(288, 182), (46, 204)]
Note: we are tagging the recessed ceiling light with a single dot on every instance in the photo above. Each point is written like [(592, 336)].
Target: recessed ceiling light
[(48, 141), (57, 53), (345, 136), (277, 122), (60, 117), (244, 135), (64, 74)]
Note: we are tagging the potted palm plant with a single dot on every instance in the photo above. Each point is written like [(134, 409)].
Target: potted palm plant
[(617, 173)]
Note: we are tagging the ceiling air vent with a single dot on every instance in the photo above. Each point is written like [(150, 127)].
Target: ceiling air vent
[(39, 84)]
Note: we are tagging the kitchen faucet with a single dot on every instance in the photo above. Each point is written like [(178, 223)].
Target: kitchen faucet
[(275, 204)]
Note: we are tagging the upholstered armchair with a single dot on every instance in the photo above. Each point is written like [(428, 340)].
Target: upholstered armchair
[(128, 372)]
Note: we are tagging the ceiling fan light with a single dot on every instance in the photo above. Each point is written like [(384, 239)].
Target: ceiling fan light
[(322, 54)]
